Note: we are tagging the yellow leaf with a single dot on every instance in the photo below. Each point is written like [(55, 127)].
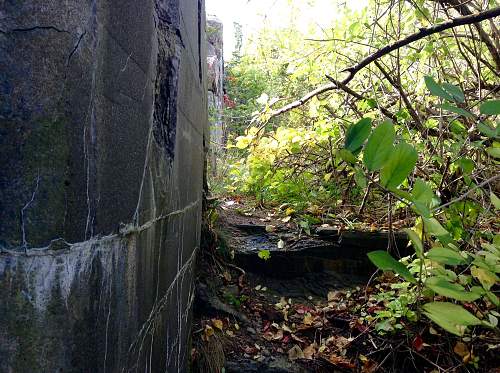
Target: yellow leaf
[(209, 331), (218, 324), (308, 319), (485, 277)]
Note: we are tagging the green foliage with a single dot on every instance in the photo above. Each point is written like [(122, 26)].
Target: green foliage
[(441, 144), (264, 254), (398, 166), (379, 146), (491, 107), (357, 135), (386, 262), (450, 317)]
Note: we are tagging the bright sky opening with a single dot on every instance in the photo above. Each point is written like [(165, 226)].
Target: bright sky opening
[(254, 14)]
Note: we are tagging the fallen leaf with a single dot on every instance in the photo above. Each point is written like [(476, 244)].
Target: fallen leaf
[(209, 331), (268, 336), (308, 319), (309, 351), (461, 349), (295, 353), (286, 219), (333, 295), (295, 338), (270, 228), (369, 366), (418, 343), (281, 244), (250, 350), (341, 362), (218, 324), (278, 336)]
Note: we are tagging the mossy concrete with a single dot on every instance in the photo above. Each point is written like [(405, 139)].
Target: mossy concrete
[(103, 123)]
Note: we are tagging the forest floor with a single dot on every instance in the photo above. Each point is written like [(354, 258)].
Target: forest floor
[(271, 298)]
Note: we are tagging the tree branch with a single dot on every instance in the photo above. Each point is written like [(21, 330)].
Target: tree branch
[(422, 33)]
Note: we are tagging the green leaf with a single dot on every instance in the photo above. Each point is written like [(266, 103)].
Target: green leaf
[(436, 89), (450, 317), (485, 277), (491, 107), (357, 134), (360, 178), (495, 200), (454, 91), (455, 291), (384, 261), (494, 152), (434, 227), (416, 242), (466, 164), (347, 156), (456, 110), (264, 254), (422, 192), (403, 194), (422, 209), (445, 256), (493, 298), (487, 130), (379, 146), (399, 165)]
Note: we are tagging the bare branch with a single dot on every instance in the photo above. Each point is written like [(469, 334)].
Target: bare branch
[(422, 33)]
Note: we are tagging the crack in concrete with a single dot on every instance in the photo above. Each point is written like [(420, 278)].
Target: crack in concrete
[(34, 28), (75, 47), (23, 222)]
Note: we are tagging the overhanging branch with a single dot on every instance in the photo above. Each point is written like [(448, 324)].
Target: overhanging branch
[(422, 33)]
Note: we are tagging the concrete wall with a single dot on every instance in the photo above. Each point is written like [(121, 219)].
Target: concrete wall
[(215, 63), (103, 115)]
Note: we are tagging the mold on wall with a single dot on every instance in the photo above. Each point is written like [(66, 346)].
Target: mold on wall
[(103, 115)]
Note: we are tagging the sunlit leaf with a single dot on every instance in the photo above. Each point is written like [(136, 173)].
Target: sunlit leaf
[(494, 152), (434, 227), (379, 146), (347, 156), (416, 242), (444, 255), (264, 254), (422, 192), (451, 317), (451, 290), (495, 200), (399, 165), (485, 277)]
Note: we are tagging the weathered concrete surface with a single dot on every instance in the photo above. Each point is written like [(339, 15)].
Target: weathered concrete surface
[(215, 63), (103, 115)]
